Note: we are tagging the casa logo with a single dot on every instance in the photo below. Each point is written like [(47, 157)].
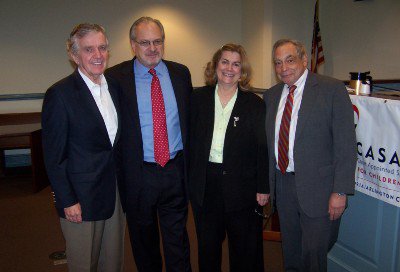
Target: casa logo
[(356, 115)]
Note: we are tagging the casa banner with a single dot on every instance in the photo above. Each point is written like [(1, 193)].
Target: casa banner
[(377, 124)]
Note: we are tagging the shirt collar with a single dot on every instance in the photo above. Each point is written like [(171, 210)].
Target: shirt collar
[(143, 71), (300, 81), (89, 83), (229, 105)]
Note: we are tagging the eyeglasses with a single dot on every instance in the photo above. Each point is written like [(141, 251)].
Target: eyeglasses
[(146, 44)]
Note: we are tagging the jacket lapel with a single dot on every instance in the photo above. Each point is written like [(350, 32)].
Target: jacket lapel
[(310, 94), (274, 104), (208, 115), (234, 125), (128, 86), (179, 97), (115, 99), (87, 101)]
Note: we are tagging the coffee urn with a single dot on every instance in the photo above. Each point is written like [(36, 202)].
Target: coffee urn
[(361, 82)]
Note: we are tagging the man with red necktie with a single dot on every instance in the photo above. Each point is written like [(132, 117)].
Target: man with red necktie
[(155, 105), (310, 128)]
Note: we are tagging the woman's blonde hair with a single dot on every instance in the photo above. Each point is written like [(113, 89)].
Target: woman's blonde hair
[(210, 74)]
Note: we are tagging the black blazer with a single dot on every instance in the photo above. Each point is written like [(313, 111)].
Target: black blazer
[(78, 153), (131, 139), (245, 155)]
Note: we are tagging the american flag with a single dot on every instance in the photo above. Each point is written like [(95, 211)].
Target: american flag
[(317, 52)]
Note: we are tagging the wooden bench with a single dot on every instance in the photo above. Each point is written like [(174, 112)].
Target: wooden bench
[(23, 131)]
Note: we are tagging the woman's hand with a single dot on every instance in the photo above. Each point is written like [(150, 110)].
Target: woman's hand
[(262, 199)]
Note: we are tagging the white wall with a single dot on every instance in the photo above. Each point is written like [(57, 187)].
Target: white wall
[(255, 39), (361, 36), (21, 106), (33, 34), (265, 22), (294, 20), (357, 36)]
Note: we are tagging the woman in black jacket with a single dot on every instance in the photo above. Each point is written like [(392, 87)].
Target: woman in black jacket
[(228, 176)]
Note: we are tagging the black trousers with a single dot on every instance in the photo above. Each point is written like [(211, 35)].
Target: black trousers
[(161, 202), (213, 223), (306, 240)]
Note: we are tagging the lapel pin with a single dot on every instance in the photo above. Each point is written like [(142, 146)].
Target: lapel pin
[(235, 119)]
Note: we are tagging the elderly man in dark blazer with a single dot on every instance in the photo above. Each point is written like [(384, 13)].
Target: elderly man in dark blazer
[(155, 115), (81, 130), (311, 138)]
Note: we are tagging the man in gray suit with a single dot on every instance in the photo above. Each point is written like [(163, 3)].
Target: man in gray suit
[(312, 143)]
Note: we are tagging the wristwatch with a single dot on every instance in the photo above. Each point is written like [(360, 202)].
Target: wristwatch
[(341, 194)]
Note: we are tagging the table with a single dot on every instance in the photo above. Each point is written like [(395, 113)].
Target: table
[(22, 136)]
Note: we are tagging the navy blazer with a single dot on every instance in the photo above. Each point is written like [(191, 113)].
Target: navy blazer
[(245, 156), (79, 157), (131, 138)]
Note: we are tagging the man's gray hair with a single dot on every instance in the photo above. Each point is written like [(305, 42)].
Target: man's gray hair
[(301, 50), (145, 19), (80, 31)]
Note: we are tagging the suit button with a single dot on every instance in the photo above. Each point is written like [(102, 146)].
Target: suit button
[(224, 172)]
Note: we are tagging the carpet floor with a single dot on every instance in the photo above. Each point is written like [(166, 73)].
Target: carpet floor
[(30, 232)]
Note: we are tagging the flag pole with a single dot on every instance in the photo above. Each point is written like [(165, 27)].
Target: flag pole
[(317, 54)]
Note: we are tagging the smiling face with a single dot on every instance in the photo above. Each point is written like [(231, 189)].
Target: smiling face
[(289, 67), (92, 55), (229, 69), (148, 55)]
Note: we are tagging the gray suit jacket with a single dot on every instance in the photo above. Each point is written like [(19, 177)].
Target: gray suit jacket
[(325, 142)]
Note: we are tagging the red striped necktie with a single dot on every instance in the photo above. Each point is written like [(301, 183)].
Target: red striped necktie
[(283, 143), (161, 149)]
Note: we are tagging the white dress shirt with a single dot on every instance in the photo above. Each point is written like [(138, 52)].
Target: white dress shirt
[(104, 103), (298, 95)]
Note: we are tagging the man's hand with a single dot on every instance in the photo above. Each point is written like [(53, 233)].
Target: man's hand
[(262, 199), (337, 204), (74, 213)]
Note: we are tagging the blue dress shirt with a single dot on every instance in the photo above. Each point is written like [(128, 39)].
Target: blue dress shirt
[(143, 92)]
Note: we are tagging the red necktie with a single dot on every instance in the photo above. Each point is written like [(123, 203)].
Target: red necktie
[(161, 149), (283, 143)]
